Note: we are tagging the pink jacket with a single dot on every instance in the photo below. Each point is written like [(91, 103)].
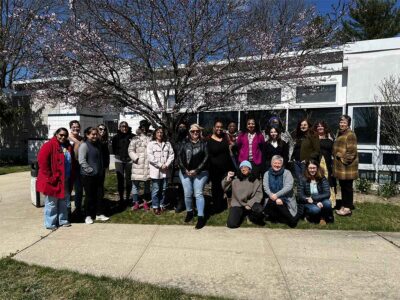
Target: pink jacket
[(242, 143)]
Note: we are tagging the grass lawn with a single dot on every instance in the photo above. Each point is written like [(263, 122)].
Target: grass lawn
[(22, 281), (366, 217), (14, 169)]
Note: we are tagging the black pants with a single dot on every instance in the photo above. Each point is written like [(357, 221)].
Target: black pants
[(237, 214), (280, 213), (94, 204), (346, 187), (124, 171), (217, 193)]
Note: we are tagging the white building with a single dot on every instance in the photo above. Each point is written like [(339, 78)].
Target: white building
[(348, 85)]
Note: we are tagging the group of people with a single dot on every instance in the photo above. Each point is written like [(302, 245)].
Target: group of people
[(255, 170)]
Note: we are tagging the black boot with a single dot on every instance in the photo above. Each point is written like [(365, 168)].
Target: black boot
[(201, 222), (189, 216), (180, 206)]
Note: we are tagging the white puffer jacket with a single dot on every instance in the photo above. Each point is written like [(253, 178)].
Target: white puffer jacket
[(138, 153), (158, 155)]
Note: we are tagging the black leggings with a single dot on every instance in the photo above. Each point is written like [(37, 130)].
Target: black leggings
[(280, 213), (124, 171)]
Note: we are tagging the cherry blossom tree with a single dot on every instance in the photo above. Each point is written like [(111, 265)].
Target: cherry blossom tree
[(164, 59)]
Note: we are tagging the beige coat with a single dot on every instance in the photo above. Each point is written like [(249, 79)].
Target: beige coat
[(137, 151), (159, 154)]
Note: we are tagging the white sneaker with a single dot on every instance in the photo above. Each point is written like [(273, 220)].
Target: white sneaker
[(88, 220), (102, 218)]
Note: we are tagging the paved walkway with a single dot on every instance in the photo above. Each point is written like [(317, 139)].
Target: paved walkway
[(244, 263)]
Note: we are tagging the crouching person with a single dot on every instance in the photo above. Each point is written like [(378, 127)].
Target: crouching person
[(278, 185), (314, 192), (246, 196)]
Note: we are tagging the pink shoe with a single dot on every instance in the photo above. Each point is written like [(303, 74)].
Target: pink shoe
[(145, 206), (135, 206)]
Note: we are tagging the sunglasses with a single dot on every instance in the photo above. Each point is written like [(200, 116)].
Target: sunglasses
[(195, 131), (63, 135), (101, 128)]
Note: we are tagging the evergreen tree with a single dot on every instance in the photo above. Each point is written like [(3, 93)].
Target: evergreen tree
[(371, 19)]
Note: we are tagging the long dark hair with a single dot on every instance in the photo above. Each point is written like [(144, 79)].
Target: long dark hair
[(327, 130), (278, 139), (88, 131), (164, 139), (103, 138), (59, 130), (320, 172), (299, 133)]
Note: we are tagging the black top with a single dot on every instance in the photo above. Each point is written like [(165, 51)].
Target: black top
[(282, 149), (219, 156), (105, 152), (193, 156), (326, 147), (120, 143)]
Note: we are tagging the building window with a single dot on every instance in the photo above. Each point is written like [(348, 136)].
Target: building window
[(365, 124), (207, 119), (369, 175), (263, 96), (391, 159), (329, 115), (317, 93), (171, 101), (261, 117), (365, 158)]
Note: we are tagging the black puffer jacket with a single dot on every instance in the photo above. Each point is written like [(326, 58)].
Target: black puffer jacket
[(303, 190), (193, 156), (120, 143)]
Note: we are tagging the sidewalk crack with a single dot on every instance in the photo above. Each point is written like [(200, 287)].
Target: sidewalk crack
[(31, 245), (387, 240), (144, 250), (280, 267)]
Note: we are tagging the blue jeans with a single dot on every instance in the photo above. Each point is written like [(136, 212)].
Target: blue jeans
[(299, 169), (78, 188), (135, 189), (55, 211), (313, 210), (194, 184), (158, 187)]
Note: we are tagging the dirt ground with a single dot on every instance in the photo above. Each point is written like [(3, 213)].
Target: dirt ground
[(359, 197)]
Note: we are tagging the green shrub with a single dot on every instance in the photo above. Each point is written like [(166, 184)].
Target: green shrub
[(388, 190), (363, 185)]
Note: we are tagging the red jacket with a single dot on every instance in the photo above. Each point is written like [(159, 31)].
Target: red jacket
[(51, 175)]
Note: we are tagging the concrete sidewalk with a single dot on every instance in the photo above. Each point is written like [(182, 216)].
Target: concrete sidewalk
[(244, 263)]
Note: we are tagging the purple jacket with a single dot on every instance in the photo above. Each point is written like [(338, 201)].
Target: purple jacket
[(242, 143)]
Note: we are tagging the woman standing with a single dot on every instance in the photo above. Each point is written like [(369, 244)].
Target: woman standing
[(123, 164), (326, 147), (250, 145), (92, 168), (161, 156), (246, 196), (140, 168), (275, 146), (57, 162), (278, 185), (314, 192), (306, 147), (193, 173), (220, 162), (345, 165), (103, 140)]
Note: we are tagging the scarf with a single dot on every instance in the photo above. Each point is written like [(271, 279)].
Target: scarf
[(275, 180)]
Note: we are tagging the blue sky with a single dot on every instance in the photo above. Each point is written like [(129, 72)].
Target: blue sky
[(324, 6)]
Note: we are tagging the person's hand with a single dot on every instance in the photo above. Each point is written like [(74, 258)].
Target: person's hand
[(247, 207), (230, 175), (320, 205), (192, 173), (187, 172), (273, 197), (164, 167), (279, 202), (309, 200)]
